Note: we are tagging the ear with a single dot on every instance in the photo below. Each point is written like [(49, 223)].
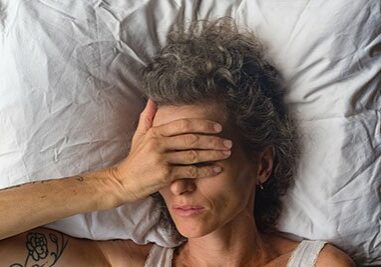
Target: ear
[(265, 164)]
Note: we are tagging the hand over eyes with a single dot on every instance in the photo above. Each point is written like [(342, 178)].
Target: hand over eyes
[(175, 150)]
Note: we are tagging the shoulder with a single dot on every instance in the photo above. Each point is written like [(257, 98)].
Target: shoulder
[(333, 257), (118, 252), (328, 256), (281, 244), (46, 247)]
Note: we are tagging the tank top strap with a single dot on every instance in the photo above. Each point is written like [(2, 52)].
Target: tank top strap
[(306, 254), (159, 256)]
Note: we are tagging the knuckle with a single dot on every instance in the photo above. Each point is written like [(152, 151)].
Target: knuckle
[(192, 156), (185, 125), (191, 139), (204, 172), (209, 171), (192, 172)]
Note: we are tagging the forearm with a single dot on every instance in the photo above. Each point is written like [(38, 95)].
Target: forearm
[(27, 206)]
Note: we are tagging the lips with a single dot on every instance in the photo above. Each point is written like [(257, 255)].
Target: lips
[(187, 210), (187, 207)]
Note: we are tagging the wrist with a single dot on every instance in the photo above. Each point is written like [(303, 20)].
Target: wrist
[(103, 190), (111, 191)]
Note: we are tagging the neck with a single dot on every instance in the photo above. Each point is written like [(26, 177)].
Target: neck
[(237, 243)]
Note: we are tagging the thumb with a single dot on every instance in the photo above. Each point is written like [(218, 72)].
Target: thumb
[(146, 117)]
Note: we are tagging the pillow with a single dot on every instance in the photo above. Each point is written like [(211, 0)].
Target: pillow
[(74, 73), (329, 54), (69, 104)]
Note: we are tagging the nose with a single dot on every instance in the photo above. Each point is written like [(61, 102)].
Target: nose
[(182, 186)]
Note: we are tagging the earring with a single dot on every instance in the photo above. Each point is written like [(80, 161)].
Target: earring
[(261, 186)]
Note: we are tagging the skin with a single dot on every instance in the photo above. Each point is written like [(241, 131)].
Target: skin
[(227, 225), (152, 163), (224, 235)]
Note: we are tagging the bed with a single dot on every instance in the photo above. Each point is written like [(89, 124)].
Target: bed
[(69, 87)]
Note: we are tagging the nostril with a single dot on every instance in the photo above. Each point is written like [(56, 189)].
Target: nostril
[(191, 186), (182, 186)]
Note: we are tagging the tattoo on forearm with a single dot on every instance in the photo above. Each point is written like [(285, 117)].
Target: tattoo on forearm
[(39, 254)]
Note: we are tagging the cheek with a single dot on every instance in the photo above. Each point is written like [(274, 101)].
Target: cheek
[(165, 194), (224, 193), (232, 190)]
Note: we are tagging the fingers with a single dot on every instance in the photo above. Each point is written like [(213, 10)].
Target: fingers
[(195, 141), (191, 171), (189, 125), (146, 117), (196, 156)]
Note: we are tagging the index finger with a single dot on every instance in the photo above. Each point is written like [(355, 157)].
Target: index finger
[(188, 125)]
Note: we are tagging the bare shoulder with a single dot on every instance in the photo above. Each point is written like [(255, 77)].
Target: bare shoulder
[(282, 248), (281, 244), (124, 252), (334, 257), (328, 256)]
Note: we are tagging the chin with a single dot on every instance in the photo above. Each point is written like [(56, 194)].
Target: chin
[(191, 229), (191, 234)]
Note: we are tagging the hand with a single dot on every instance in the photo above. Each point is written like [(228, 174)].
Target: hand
[(159, 155)]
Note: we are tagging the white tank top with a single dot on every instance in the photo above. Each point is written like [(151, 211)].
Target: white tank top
[(305, 255)]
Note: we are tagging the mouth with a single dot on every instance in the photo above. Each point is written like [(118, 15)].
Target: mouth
[(188, 210)]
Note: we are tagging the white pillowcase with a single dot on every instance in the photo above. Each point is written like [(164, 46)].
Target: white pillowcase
[(70, 97)]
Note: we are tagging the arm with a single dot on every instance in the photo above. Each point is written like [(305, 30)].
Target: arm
[(30, 205), (158, 156), (44, 247)]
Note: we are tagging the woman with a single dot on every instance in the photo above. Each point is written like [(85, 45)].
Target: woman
[(221, 187)]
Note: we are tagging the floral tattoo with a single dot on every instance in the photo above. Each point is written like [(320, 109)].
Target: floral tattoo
[(37, 246), (38, 250)]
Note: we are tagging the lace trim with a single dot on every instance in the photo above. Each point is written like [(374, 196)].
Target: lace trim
[(306, 254), (319, 247)]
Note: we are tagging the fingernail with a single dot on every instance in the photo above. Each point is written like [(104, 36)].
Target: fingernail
[(228, 143), (217, 127), (217, 169)]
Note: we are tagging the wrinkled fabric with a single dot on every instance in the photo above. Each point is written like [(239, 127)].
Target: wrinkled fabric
[(70, 98)]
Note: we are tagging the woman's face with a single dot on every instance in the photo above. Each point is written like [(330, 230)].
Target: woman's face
[(223, 196)]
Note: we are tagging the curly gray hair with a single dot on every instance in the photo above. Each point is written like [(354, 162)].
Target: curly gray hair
[(214, 60)]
